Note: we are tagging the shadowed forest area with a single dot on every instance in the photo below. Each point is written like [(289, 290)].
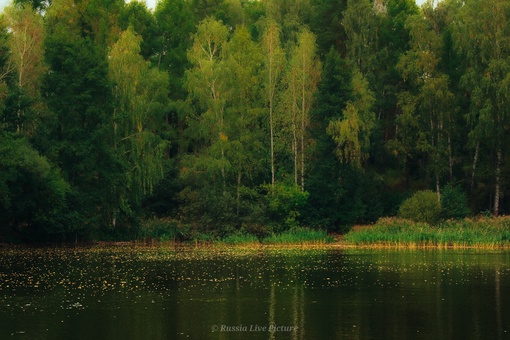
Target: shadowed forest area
[(222, 117)]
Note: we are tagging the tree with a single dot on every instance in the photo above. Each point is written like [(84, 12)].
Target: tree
[(302, 77), (351, 133), (428, 105), (26, 56), (386, 82), (225, 89), (327, 24), (5, 65), (32, 192), (360, 23), (207, 84), (137, 16), (243, 60), (78, 95), (206, 170), (483, 38), (94, 19), (141, 98), (176, 24), (325, 186), (274, 63), (38, 5)]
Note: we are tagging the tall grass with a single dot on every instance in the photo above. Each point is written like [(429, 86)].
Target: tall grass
[(480, 232), (240, 238), (299, 236)]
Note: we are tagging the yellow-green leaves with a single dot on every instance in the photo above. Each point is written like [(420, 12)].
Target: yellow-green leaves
[(26, 46), (352, 132), (302, 77), (141, 95), (274, 62)]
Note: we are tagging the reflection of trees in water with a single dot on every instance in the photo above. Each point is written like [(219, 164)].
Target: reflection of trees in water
[(272, 303), (297, 316), (498, 302)]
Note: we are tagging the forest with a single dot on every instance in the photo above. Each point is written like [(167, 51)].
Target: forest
[(227, 116)]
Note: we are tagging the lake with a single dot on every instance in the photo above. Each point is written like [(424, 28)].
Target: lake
[(260, 293)]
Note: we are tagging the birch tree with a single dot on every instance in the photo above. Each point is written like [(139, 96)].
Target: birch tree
[(243, 60), (207, 85), (429, 98), (26, 58), (352, 131), (302, 78), (360, 24), (274, 63), (141, 97), (483, 37)]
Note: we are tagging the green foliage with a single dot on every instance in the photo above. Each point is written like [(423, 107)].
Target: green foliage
[(423, 206), (231, 117), (299, 236), (161, 229), (137, 16), (78, 95), (359, 21), (176, 23), (240, 238), (478, 233), (39, 5), (352, 132), (141, 95), (453, 202), (285, 202), (32, 192)]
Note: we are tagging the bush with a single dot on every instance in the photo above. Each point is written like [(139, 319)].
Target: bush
[(423, 206), (240, 238), (284, 204), (454, 202), (162, 229)]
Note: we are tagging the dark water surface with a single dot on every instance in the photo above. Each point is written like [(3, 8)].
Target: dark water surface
[(167, 293)]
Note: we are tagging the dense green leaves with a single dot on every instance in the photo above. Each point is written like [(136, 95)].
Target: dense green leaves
[(32, 191), (352, 132), (231, 115), (423, 206)]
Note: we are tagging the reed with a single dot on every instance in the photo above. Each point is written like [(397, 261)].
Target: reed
[(240, 239), (482, 232), (299, 236)]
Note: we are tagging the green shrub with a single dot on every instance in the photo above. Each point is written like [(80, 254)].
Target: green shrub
[(284, 204), (423, 206), (162, 229), (240, 238), (453, 202)]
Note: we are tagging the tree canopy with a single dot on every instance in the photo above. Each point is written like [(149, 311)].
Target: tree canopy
[(230, 115)]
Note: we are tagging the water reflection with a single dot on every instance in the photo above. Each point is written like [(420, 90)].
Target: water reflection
[(268, 294)]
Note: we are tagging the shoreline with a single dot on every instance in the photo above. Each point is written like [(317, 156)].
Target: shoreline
[(337, 245)]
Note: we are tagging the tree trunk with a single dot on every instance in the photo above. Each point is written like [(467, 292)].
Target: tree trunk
[(271, 126), (438, 189), (475, 160), (450, 156), (294, 131), (303, 111), (295, 152), (498, 184), (238, 197)]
